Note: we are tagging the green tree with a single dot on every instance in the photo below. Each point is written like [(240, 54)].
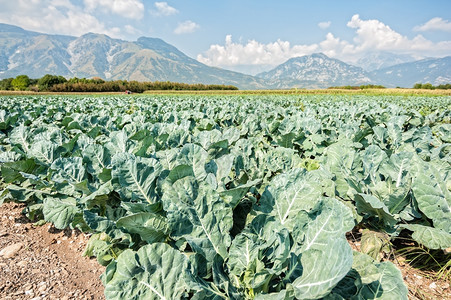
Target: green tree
[(417, 86), (5, 84), (47, 81), (20, 83), (427, 86)]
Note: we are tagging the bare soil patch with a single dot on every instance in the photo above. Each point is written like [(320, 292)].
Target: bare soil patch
[(41, 262)]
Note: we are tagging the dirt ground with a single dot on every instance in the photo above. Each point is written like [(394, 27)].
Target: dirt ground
[(41, 262)]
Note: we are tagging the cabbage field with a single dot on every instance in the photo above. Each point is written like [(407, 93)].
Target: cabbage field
[(235, 197)]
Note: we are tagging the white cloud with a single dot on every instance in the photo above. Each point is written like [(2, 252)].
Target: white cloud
[(324, 25), (132, 9), (186, 27), (163, 9), (376, 35), (253, 53), (53, 16), (437, 24), (370, 35)]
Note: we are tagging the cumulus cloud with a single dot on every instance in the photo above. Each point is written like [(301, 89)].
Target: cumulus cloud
[(253, 53), (163, 9), (186, 27), (435, 24), (324, 25), (132, 9), (376, 35), (53, 16), (370, 35)]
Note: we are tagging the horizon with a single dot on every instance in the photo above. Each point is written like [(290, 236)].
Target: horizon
[(254, 36)]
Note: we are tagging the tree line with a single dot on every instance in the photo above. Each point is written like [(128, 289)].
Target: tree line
[(428, 86), (54, 83)]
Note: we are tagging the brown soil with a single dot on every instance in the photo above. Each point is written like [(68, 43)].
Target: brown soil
[(49, 263)]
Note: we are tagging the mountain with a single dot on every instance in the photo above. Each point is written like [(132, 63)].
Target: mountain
[(432, 70), (378, 60), (320, 71), (98, 55), (31, 53), (314, 71)]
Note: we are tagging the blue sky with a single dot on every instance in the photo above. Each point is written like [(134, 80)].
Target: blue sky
[(251, 35)]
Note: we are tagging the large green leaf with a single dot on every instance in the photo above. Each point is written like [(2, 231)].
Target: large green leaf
[(179, 172), (222, 168), (397, 168), (150, 227), (7, 119), (208, 138), (168, 158), (233, 196), (274, 239), (324, 253), (97, 158), (194, 156), (8, 156), (155, 271), (135, 176), (291, 193), (23, 193), (98, 223), (340, 159), (243, 252), (433, 196), (433, 238), (332, 219), (59, 212), (69, 170), (371, 207), (221, 287), (45, 151), (388, 285), (120, 143), (395, 189), (11, 171), (323, 268), (20, 136), (370, 280), (198, 214), (372, 157)]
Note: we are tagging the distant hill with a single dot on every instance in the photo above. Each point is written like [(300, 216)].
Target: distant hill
[(314, 71), (320, 71), (379, 60), (432, 70)]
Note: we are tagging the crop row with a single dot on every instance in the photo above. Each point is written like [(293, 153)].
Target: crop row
[(234, 197)]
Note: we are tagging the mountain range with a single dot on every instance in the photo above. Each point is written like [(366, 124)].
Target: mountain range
[(151, 59), (97, 55), (314, 71)]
